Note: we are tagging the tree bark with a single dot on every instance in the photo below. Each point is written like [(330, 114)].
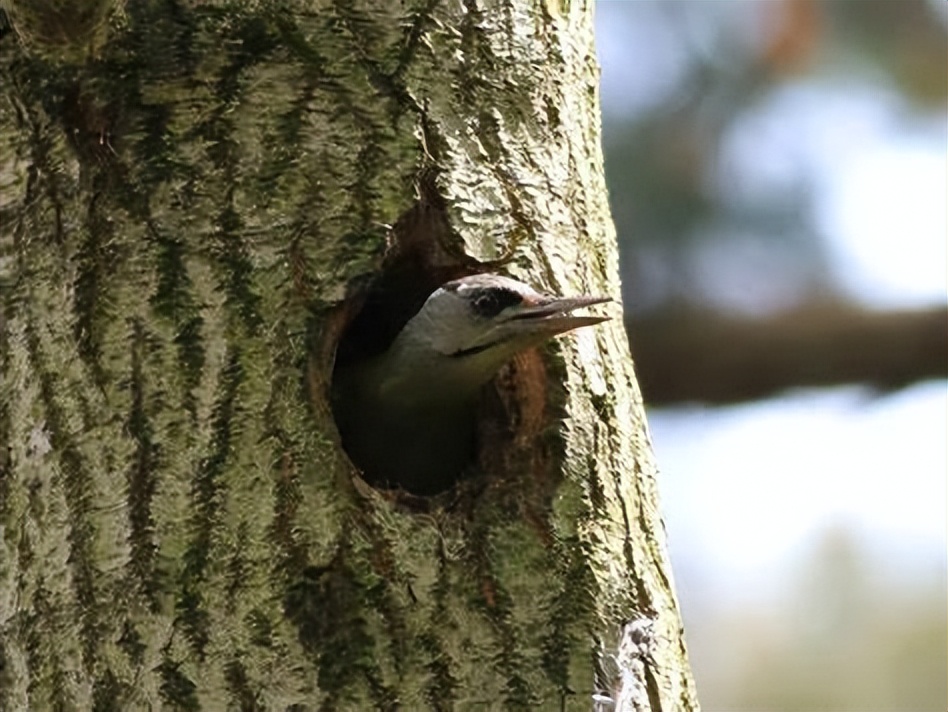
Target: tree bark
[(198, 202)]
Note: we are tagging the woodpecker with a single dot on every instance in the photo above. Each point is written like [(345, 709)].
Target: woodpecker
[(407, 416)]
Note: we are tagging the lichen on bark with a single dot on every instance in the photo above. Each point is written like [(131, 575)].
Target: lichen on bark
[(191, 196)]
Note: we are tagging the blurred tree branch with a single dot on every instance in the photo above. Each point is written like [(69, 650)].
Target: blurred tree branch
[(706, 357)]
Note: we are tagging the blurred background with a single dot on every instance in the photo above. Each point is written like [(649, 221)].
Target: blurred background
[(777, 174)]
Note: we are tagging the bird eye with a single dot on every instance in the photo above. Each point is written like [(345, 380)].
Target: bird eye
[(489, 303)]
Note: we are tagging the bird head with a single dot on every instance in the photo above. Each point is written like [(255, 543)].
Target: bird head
[(477, 323)]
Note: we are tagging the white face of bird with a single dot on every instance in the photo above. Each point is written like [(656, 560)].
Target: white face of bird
[(486, 319)]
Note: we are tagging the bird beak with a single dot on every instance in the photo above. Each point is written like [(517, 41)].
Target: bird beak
[(533, 321), (549, 317)]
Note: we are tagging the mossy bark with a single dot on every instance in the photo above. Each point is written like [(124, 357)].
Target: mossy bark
[(189, 195)]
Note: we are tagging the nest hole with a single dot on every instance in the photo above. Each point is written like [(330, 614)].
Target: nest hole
[(379, 311), (510, 415)]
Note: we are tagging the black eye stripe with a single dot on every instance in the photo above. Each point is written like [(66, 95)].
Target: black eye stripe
[(491, 301)]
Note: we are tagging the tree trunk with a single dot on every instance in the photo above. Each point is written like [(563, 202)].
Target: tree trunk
[(197, 202)]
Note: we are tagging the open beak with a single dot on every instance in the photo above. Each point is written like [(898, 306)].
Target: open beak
[(534, 320), (554, 316)]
